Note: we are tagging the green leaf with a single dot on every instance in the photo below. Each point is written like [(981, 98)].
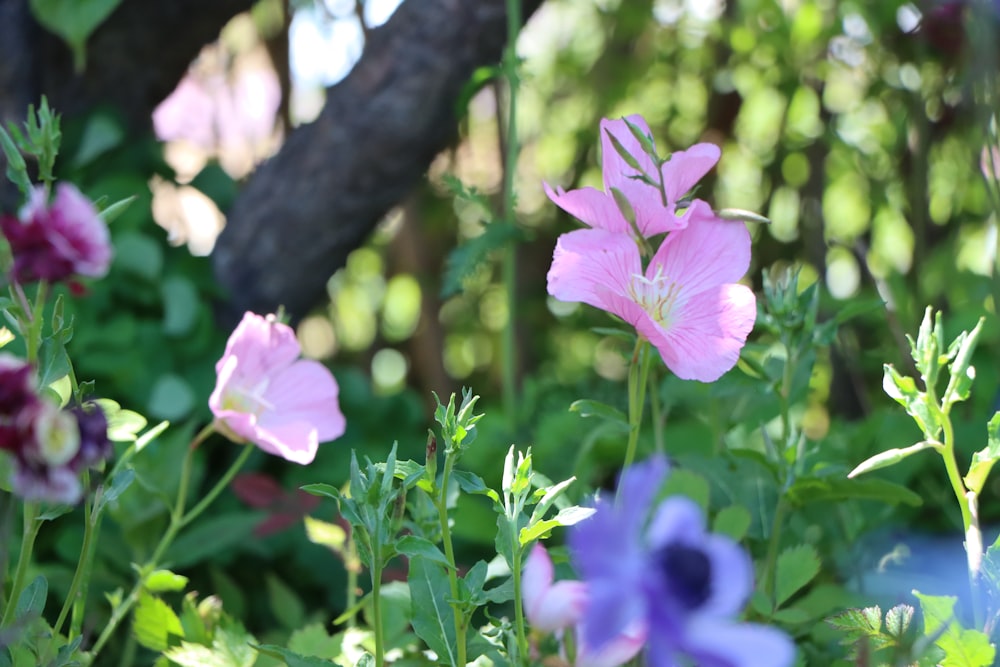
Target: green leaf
[(53, 362), (119, 483), (123, 425), (858, 623), (323, 533), (326, 490), (689, 484), (963, 648), (165, 581), (285, 604), (231, 647), (433, 616), (733, 521), (112, 212), (181, 305), (740, 215), (807, 490), (796, 567), (74, 21), (32, 599), (983, 460), (101, 133), (472, 483), (154, 622), (961, 374), (465, 259), (313, 640), (414, 546), (291, 658), (897, 620), (171, 397), (589, 408), (904, 391), (890, 457)]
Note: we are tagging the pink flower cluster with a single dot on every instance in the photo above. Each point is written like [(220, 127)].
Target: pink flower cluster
[(49, 446), (267, 395), (59, 240), (686, 299)]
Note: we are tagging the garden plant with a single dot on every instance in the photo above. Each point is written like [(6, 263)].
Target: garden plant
[(696, 507)]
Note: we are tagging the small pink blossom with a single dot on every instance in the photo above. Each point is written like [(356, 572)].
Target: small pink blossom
[(686, 303), (57, 241), (549, 606), (553, 607), (267, 395), (680, 173)]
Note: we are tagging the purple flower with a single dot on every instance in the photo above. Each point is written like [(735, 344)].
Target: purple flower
[(265, 394), (667, 574), (57, 241)]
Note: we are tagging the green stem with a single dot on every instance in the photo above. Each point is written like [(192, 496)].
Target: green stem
[(376, 571), (655, 415), (178, 519), (29, 532), (509, 266), (522, 638), (449, 552), (771, 559), (91, 526), (638, 373)]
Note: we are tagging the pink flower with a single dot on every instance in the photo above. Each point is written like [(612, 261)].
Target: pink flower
[(598, 209), (686, 303), (56, 241), (552, 607), (265, 394)]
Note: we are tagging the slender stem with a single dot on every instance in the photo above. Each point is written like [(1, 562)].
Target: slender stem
[(655, 414), (350, 560), (509, 265), (91, 525), (638, 373), (449, 552), (771, 559), (28, 533), (6, 527), (522, 638), (178, 519), (376, 571), (33, 339)]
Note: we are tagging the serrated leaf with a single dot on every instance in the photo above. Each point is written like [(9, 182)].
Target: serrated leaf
[(963, 648), (153, 622), (313, 640), (464, 260), (796, 567), (858, 623), (897, 620), (433, 617), (983, 460), (733, 521)]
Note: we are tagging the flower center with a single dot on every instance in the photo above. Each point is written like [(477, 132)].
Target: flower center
[(688, 572), (656, 295), (248, 399)]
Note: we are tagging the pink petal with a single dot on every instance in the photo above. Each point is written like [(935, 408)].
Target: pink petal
[(549, 607), (685, 168), (616, 171), (593, 265), (293, 441), (591, 207), (707, 334), (305, 392), (536, 577), (261, 346), (708, 253)]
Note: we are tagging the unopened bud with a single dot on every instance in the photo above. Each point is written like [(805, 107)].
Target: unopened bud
[(430, 466)]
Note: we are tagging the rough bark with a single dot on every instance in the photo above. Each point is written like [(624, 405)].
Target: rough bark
[(306, 209)]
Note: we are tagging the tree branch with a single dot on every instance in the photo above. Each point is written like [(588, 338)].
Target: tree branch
[(306, 209)]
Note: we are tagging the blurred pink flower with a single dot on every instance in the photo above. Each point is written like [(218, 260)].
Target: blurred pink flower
[(265, 394), (598, 209), (552, 607), (549, 606), (687, 302), (57, 241)]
